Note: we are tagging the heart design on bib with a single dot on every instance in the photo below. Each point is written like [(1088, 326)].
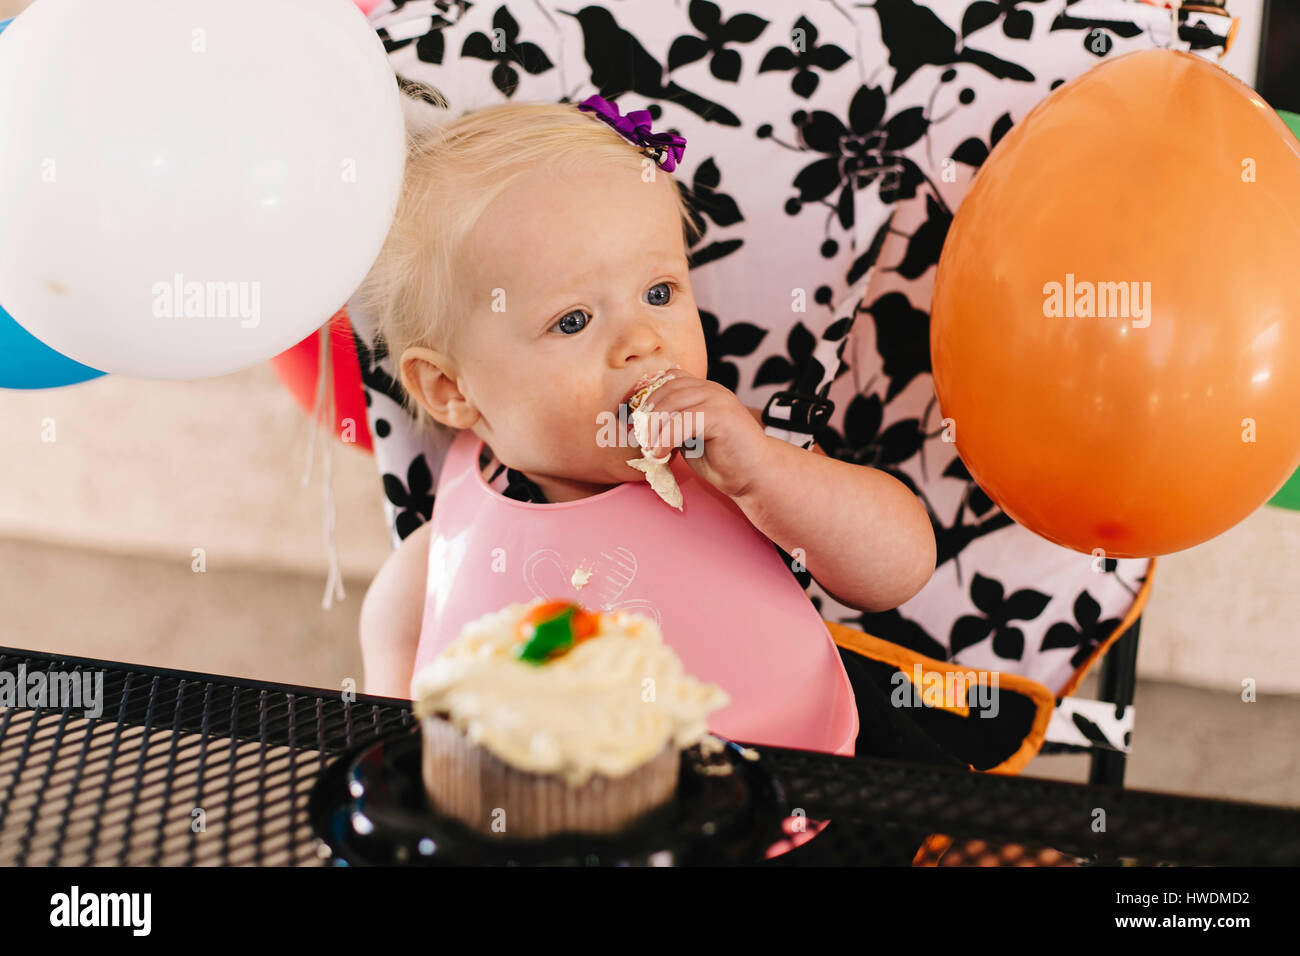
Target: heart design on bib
[(549, 575)]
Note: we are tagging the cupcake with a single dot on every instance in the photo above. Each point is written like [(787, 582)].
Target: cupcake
[(549, 718)]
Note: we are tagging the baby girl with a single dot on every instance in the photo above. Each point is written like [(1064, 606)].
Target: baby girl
[(537, 274)]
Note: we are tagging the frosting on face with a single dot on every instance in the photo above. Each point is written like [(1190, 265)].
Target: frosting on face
[(606, 705)]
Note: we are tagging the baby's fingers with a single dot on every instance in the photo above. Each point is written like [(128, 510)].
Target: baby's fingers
[(671, 429), (680, 396)]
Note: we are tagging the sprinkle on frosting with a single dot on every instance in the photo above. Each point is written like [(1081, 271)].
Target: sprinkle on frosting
[(553, 628), (607, 705)]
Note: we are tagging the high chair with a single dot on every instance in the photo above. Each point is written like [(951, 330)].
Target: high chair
[(828, 147)]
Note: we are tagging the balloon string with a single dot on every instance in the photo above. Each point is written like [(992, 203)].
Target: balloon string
[(334, 583), (315, 413), (325, 403)]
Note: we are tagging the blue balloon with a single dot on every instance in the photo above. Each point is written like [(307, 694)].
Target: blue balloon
[(26, 361)]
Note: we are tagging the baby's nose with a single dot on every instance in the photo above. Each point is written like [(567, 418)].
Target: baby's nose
[(641, 341)]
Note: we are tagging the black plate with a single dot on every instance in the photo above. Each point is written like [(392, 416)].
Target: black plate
[(369, 809)]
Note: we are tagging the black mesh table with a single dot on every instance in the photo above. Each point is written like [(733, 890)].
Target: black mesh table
[(186, 768)]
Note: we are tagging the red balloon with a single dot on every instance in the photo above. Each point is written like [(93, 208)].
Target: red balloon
[(297, 368)]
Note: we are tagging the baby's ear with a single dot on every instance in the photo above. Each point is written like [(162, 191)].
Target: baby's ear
[(429, 378)]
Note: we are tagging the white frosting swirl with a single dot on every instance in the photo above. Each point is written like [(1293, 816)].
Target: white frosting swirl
[(608, 705)]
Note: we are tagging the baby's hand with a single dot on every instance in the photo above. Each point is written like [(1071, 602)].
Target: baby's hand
[(730, 446)]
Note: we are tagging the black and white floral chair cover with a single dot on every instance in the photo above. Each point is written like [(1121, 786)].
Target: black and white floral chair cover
[(828, 147)]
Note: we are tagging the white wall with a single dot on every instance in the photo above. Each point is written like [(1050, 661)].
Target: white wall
[(159, 468)]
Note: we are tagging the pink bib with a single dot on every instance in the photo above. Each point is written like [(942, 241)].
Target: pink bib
[(724, 600)]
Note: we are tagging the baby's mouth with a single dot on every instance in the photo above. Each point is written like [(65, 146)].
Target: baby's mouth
[(641, 383)]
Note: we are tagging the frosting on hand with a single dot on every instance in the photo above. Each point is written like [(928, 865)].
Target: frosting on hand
[(656, 470)]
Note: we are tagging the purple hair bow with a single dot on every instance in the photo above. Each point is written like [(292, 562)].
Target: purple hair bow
[(635, 127)]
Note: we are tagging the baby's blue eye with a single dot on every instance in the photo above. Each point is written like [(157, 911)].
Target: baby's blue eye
[(577, 320), (570, 328)]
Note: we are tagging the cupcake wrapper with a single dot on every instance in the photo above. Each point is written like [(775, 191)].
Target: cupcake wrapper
[(472, 785)]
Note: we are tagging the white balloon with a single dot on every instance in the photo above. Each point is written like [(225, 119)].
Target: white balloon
[(189, 187)]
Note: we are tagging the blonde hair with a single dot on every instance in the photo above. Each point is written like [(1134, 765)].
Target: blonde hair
[(453, 173)]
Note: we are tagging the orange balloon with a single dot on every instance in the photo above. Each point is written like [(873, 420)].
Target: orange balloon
[(1115, 329)]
